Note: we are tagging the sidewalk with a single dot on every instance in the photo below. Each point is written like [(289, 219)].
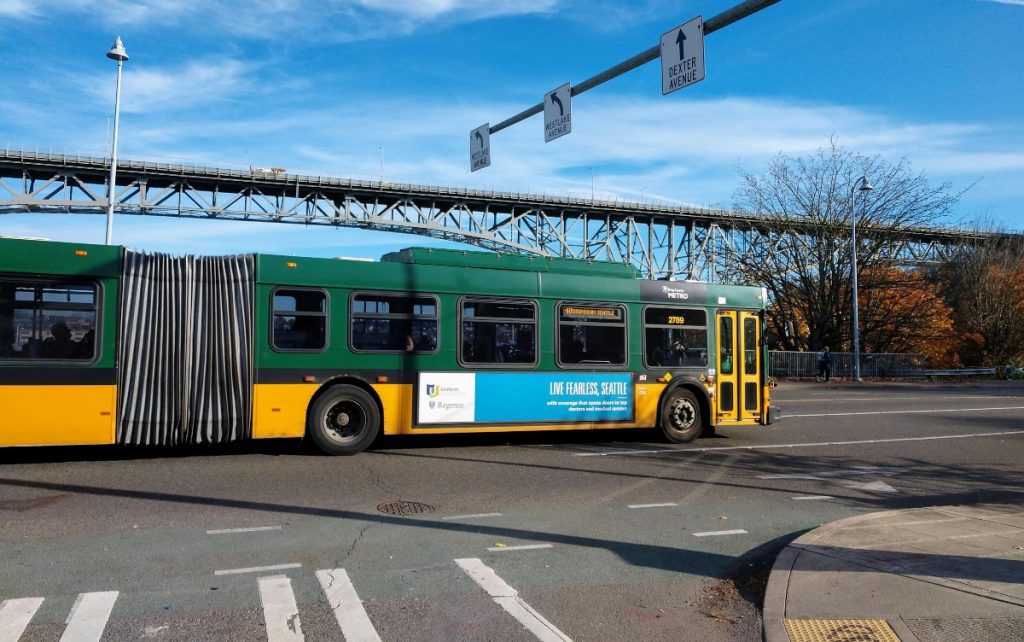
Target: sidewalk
[(940, 574)]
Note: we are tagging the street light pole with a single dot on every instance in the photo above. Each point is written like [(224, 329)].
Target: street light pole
[(118, 54), (865, 186)]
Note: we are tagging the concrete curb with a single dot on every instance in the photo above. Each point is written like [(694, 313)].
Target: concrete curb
[(830, 542), (772, 628)]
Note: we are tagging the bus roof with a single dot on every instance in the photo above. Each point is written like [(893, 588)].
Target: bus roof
[(442, 270), (520, 263)]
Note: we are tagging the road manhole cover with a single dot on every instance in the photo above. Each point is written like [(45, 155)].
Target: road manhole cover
[(404, 508)]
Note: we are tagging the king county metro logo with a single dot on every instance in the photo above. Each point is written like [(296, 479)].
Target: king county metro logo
[(675, 293)]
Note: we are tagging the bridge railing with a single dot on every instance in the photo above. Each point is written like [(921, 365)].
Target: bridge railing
[(872, 364), (901, 365)]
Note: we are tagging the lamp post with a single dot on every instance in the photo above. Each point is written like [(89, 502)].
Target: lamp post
[(865, 186), (118, 54)]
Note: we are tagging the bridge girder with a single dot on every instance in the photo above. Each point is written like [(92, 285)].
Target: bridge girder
[(662, 242)]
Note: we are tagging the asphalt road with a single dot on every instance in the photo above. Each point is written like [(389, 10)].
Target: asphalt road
[(597, 536)]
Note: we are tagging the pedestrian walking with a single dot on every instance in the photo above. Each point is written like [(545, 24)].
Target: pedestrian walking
[(824, 365)]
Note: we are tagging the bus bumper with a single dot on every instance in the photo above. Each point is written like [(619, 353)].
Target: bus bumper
[(774, 413)]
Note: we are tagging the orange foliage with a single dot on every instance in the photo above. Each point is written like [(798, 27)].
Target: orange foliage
[(900, 311)]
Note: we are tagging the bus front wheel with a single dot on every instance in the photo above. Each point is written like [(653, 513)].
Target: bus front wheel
[(681, 420), (344, 420)]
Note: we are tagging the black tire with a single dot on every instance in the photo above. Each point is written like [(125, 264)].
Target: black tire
[(344, 421), (681, 419)]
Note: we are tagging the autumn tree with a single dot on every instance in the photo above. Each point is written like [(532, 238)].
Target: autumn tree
[(805, 260), (985, 288), (906, 312)]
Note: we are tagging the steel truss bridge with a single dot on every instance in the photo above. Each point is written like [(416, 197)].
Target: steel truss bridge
[(662, 242)]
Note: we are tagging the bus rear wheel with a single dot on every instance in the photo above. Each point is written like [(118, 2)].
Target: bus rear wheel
[(344, 420), (681, 421)]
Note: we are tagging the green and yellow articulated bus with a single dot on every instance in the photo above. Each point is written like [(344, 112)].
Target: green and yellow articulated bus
[(105, 345)]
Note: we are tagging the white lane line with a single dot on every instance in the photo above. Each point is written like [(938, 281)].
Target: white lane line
[(905, 412), (665, 505), (348, 608), (478, 515), (523, 547), (818, 444), (508, 598), (253, 529), (737, 531), (831, 398), (280, 612), (15, 616), (89, 617), (811, 497), (257, 569)]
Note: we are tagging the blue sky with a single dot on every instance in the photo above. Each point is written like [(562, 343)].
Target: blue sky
[(335, 86)]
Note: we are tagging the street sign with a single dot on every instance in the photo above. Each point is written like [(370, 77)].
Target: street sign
[(480, 147), (682, 56), (557, 113)]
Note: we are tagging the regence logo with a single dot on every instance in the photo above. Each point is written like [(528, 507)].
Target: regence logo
[(445, 405)]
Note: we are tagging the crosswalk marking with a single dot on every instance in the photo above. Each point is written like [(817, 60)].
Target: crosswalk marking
[(348, 608), (89, 617), (280, 611), (15, 616), (91, 611), (508, 598)]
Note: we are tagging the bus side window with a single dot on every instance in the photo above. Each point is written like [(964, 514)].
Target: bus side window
[(591, 334), (394, 322), (300, 320), (47, 318), (675, 337), (498, 331)]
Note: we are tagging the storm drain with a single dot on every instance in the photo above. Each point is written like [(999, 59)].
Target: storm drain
[(404, 508)]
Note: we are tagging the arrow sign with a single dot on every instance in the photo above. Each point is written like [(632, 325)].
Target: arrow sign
[(557, 112), (556, 100), (682, 65), (480, 147)]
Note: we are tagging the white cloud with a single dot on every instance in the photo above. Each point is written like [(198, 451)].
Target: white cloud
[(331, 20), (18, 9), (468, 9), (148, 90)]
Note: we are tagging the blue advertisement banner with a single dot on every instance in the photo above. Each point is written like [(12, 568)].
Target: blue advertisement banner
[(549, 397)]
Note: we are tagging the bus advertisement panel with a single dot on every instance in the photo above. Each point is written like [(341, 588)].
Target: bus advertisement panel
[(526, 397)]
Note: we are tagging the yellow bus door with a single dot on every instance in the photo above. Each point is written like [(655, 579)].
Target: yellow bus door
[(738, 366), (750, 378), (727, 398)]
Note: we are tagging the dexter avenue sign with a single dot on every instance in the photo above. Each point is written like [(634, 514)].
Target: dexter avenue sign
[(682, 56)]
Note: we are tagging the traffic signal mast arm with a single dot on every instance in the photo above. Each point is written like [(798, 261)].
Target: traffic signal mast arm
[(720, 21)]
